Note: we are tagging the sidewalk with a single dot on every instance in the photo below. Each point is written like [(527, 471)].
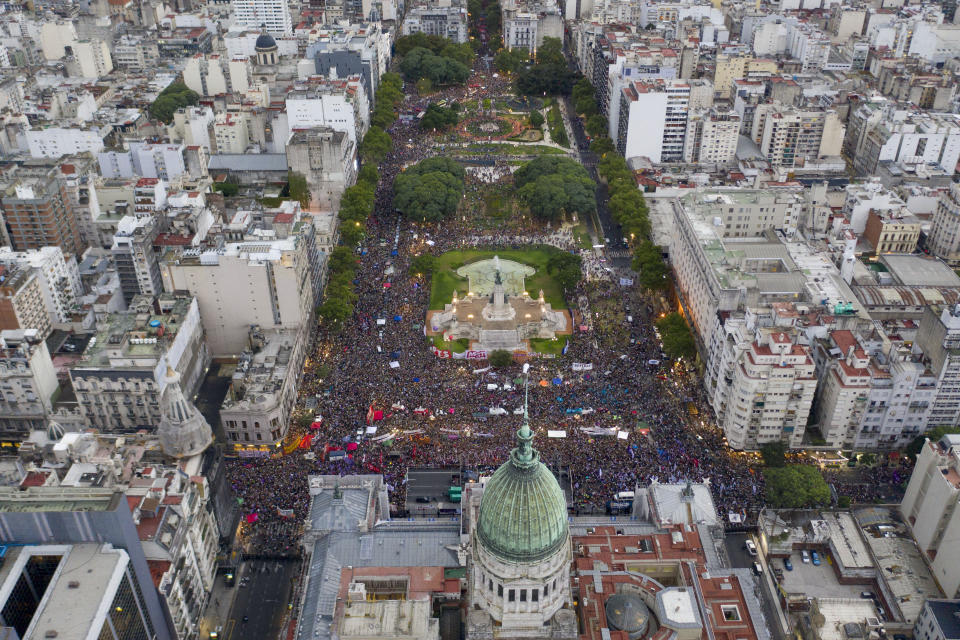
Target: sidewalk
[(217, 613)]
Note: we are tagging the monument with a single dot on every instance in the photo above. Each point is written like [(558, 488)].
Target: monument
[(520, 551), (497, 313)]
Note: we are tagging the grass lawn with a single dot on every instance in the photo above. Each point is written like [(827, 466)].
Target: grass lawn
[(457, 346), (503, 149), (444, 279), (544, 345), (582, 235), (497, 204)]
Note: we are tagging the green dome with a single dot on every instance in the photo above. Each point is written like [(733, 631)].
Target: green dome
[(523, 511)]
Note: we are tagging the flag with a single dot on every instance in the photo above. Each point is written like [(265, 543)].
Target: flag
[(370, 414)]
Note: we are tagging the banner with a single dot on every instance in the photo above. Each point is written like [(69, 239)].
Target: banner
[(285, 513), (476, 355), (582, 366), (626, 282), (556, 433)]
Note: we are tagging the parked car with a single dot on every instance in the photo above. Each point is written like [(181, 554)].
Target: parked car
[(868, 595), (815, 557), (805, 556), (750, 547), (788, 564), (757, 569)]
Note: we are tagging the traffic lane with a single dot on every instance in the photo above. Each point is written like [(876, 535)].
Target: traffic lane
[(736, 551), (263, 601)]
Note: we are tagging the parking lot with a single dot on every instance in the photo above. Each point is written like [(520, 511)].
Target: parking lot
[(814, 581)]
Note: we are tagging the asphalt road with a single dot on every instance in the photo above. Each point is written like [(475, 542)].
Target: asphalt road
[(263, 601), (736, 553)]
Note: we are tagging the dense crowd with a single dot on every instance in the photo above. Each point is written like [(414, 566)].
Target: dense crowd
[(444, 405)]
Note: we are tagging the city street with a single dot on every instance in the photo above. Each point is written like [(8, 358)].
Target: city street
[(260, 606)]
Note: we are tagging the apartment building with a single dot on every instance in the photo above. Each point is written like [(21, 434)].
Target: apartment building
[(22, 305), (944, 237), (791, 137), (142, 159), (653, 120), (59, 278), (354, 50), (56, 142), (339, 104), (929, 507), (255, 413), (892, 231), (28, 382), (120, 378), (270, 278), (93, 58), (37, 212), (231, 134), (135, 258), (711, 137), (732, 66), (328, 160), (204, 74), (273, 15), (939, 341), (434, 19), (525, 23), (771, 392)]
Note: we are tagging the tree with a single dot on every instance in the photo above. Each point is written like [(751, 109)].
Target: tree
[(175, 96), (430, 190), (298, 189), (501, 358), (774, 454), (368, 174), (375, 146), (423, 263), (653, 273), (438, 118), (551, 52), (554, 185), (602, 145), (536, 119), (424, 86), (510, 60), (441, 71), (583, 89), (228, 189), (566, 269), (597, 125), (795, 487), (334, 311), (552, 79), (405, 44), (587, 106), (675, 334)]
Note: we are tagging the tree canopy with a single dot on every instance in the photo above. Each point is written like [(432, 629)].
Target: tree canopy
[(566, 269), (795, 487), (420, 62), (551, 52), (437, 118), (175, 96), (405, 44), (602, 145), (510, 60), (677, 339), (552, 79), (552, 185), (774, 454), (375, 146), (339, 294), (501, 358), (430, 190), (298, 189), (423, 263), (536, 119)]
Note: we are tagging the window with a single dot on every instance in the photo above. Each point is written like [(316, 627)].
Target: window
[(730, 612), (511, 595), (535, 595), (489, 585), (499, 590), (523, 595)]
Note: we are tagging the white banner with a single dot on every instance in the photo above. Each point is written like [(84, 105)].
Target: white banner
[(582, 366), (558, 433), (394, 364), (626, 282), (623, 435)]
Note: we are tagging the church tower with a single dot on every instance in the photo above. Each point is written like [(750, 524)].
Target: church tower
[(183, 430)]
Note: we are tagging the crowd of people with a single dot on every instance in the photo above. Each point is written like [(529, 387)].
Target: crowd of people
[(436, 411)]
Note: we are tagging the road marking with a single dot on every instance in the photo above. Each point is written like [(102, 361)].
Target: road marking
[(231, 623)]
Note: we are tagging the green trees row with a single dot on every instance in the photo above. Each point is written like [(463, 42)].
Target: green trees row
[(388, 99), (174, 97), (553, 185), (676, 337), (430, 190), (510, 60), (339, 295), (585, 103)]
